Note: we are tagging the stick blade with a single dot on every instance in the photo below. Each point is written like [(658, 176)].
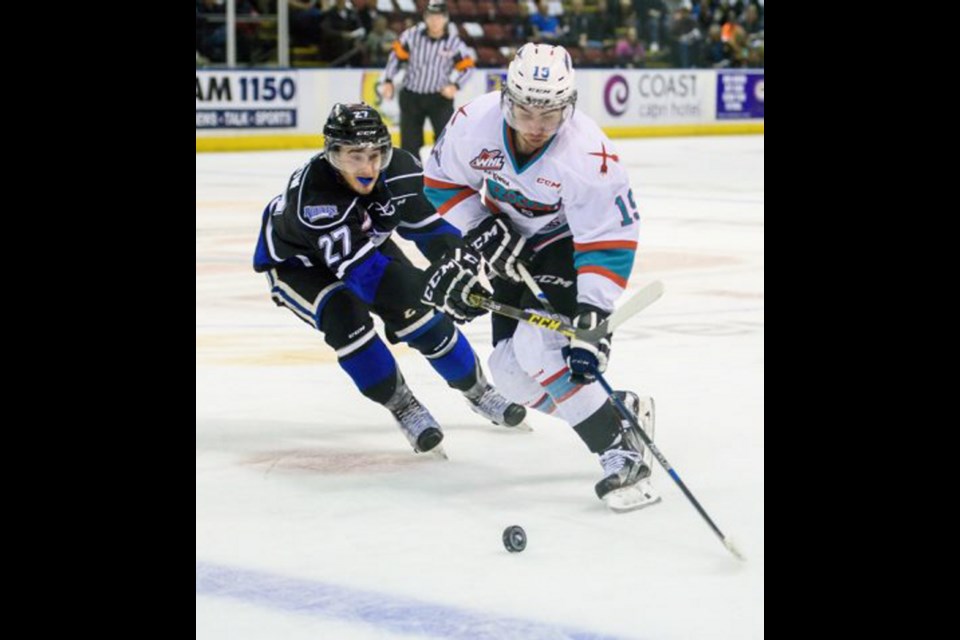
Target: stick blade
[(732, 548), (637, 303)]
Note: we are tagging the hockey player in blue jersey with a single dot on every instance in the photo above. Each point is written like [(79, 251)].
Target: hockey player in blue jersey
[(326, 250)]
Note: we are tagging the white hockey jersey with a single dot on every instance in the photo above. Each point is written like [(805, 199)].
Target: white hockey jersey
[(574, 186)]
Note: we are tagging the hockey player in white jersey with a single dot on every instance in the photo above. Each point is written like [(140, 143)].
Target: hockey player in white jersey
[(526, 177)]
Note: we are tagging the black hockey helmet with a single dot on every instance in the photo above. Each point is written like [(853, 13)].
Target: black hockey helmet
[(436, 6), (356, 125)]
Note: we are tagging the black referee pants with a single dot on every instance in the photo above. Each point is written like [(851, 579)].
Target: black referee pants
[(415, 108)]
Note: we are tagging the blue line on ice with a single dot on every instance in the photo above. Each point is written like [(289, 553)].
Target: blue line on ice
[(396, 614)]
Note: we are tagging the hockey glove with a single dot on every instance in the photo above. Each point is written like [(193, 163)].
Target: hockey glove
[(450, 281), (587, 355), (500, 245)]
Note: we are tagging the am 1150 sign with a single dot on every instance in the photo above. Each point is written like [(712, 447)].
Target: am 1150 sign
[(244, 88)]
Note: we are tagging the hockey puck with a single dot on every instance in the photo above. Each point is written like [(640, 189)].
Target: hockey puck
[(514, 539)]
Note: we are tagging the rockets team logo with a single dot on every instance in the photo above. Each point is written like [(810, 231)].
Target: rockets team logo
[(524, 205)]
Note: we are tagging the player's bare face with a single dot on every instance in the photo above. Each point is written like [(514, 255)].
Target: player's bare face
[(535, 126), (359, 166)]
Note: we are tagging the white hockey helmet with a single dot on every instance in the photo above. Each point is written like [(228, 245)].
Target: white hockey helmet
[(540, 77)]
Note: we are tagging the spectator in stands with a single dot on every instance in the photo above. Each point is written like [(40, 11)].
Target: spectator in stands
[(602, 27), (734, 8), (687, 37), (305, 18), (341, 36), (727, 24), (629, 50), (651, 14), (716, 53), (546, 28), (706, 12), (366, 13), (212, 31), (752, 22), (755, 58), (737, 48), (379, 43), (577, 25), (622, 14), (523, 28)]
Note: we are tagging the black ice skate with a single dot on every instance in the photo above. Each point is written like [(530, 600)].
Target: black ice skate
[(626, 463)]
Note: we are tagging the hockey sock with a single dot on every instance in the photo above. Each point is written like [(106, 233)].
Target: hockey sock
[(447, 350), (601, 429), (373, 369)]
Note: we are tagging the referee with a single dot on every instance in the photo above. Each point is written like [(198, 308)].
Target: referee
[(438, 63)]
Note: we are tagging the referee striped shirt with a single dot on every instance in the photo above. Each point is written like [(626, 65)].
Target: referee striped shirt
[(431, 63)]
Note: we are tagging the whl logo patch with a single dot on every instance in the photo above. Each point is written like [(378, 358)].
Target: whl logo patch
[(488, 160)]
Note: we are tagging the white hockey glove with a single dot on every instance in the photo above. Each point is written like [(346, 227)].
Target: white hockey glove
[(587, 355), (500, 245), (450, 281)]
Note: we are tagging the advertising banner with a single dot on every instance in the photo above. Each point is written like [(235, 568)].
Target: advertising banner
[(240, 100), (637, 97), (739, 94), (275, 106)]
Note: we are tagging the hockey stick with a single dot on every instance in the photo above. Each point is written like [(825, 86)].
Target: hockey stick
[(727, 542), (640, 301), (637, 303), (534, 287), (537, 320)]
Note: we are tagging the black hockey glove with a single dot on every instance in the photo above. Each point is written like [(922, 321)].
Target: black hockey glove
[(587, 355), (450, 281), (500, 245)]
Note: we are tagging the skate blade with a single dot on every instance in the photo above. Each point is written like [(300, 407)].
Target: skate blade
[(632, 498), (438, 452)]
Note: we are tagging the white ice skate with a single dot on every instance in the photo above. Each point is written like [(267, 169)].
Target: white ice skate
[(420, 427)]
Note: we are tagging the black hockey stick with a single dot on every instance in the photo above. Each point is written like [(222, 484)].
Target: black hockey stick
[(727, 542), (529, 317), (637, 303)]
